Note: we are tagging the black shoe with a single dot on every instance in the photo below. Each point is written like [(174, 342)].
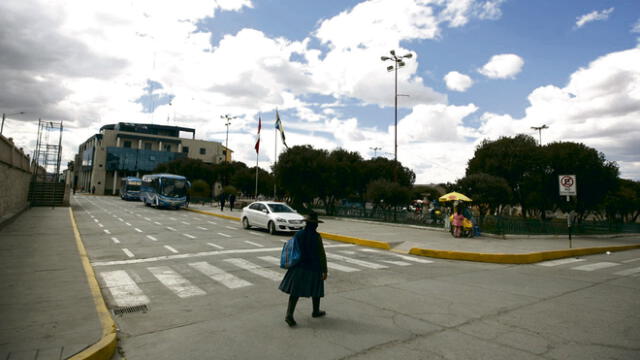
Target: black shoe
[(289, 320), (319, 314)]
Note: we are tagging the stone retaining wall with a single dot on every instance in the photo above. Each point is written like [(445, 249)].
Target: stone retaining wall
[(15, 175)]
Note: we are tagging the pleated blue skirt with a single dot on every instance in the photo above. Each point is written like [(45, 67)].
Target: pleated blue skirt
[(302, 283)]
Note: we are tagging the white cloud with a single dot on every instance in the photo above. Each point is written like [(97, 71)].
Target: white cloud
[(593, 16), (636, 27), (457, 81), (502, 66)]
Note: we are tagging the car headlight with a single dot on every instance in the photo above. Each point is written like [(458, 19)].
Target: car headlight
[(281, 220)]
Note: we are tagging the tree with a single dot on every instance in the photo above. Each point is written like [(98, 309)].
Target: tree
[(300, 171), (342, 178), (487, 191), (428, 191), (623, 202), (200, 189), (245, 181), (190, 168), (386, 194)]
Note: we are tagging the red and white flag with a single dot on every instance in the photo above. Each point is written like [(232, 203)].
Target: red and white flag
[(258, 137)]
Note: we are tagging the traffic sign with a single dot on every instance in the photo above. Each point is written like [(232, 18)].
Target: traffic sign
[(568, 185)]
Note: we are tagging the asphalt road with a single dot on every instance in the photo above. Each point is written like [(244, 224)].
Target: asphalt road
[(200, 287)]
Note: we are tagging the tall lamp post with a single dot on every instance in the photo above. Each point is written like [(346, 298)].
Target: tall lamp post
[(375, 151), (4, 116), (398, 64), (540, 128), (227, 118)]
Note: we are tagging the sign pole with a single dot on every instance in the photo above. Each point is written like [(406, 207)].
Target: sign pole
[(568, 188)]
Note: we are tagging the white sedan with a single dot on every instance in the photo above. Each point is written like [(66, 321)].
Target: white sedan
[(273, 216)]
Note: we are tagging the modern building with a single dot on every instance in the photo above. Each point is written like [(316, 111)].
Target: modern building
[(128, 149)]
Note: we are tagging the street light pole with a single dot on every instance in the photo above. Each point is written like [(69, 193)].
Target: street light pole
[(4, 116), (540, 128), (375, 151), (398, 64), (228, 118)]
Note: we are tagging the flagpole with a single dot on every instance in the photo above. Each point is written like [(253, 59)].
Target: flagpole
[(258, 153), (275, 161), (256, 175)]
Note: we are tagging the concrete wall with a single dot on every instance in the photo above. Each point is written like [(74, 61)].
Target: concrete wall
[(15, 177)]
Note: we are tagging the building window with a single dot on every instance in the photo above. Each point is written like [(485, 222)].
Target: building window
[(147, 146), (127, 144), (167, 147), (203, 151), (185, 149)]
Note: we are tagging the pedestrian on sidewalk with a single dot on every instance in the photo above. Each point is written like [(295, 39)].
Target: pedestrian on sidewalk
[(232, 200), (458, 219), (306, 279), (222, 200)]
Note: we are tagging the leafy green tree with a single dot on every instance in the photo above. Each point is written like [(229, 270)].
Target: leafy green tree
[(301, 173), (425, 191), (387, 195), (245, 181), (190, 168), (342, 177), (200, 190), (624, 202), (488, 192)]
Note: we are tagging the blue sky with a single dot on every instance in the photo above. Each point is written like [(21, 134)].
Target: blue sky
[(480, 69)]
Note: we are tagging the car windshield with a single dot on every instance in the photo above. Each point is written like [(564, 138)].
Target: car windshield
[(280, 208), (174, 187)]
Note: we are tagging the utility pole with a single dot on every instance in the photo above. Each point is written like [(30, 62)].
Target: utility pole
[(228, 118), (375, 151), (540, 128)]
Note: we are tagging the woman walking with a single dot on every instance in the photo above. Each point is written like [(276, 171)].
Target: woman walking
[(306, 279)]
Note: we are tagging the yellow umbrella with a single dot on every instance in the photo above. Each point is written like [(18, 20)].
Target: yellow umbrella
[(454, 196)]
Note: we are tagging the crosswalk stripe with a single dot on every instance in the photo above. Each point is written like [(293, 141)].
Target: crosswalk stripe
[(215, 246), (212, 222), (362, 263), (157, 223), (255, 233), (123, 289), (331, 265), (171, 249), (202, 228), (189, 236), (559, 262), (186, 223), (170, 228), (628, 271), (270, 259), (151, 238), (106, 231), (225, 235), (231, 228), (631, 260), (174, 282), (403, 257), (219, 275), (128, 252), (253, 243), (397, 262), (251, 267), (115, 240), (596, 266), (138, 230)]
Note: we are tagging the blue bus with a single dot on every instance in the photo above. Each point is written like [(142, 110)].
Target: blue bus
[(130, 188), (164, 190)]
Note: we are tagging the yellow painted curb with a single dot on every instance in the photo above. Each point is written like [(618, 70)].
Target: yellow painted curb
[(214, 214), (357, 241), (106, 346), (528, 258)]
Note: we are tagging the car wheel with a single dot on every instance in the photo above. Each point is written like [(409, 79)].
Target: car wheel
[(245, 223), (272, 228)]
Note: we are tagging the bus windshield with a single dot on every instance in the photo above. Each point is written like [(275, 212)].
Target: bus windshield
[(174, 187)]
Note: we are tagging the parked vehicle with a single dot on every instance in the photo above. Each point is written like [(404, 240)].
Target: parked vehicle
[(130, 188), (164, 190), (273, 216)]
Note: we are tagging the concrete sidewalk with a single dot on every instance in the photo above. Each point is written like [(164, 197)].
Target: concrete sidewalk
[(438, 243), (47, 307)]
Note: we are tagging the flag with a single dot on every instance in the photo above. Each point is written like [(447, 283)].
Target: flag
[(281, 128), (258, 139)]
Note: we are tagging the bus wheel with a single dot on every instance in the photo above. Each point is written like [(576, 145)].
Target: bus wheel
[(245, 223), (157, 205), (145, 202), (272, 228)]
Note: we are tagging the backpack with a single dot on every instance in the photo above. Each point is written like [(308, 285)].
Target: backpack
[(290, 256)]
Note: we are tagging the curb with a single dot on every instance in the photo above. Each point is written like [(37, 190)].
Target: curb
[(228, 217), (528, 258), (106, 346)]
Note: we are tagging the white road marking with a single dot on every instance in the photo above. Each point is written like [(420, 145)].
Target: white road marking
[(215, 246), (219, 275), (333, 266), (211, 222), (138, 230), (225, 235), (285, 241), (559, 262), (348, 252), (201, 228), (121, 219), (270, 259), (100, 225), (403, 257), (157, 223), (123, 289), (152, 238), (260, 271), (397, 262), (628, 271), (172, 218), (115, 240), (170, 228), (94, 219), (175, 282), (254, 244), (186, 223), (114, 215), (171, 249), (106, 231), (363, 263), (201, 254), (128, 252), (189, 236), (128, 224), (146, 218), (631, 260), (232, 228), (596, 266), (255, 233)]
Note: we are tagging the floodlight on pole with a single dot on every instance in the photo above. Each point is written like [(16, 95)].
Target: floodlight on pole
[(375, 151), (4, 116), (540, 128), (398, 64), (227, 118)]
